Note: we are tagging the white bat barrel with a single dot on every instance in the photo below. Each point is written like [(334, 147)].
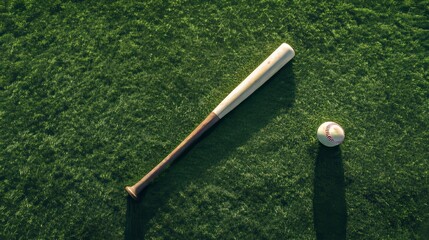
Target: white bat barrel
[(257, 78)]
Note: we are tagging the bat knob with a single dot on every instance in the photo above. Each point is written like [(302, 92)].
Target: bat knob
[(132, 192)]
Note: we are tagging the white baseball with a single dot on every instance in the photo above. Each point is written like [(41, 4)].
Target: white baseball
[(330, 134)]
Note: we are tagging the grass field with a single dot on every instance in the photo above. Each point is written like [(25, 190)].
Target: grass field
[(95, 93)]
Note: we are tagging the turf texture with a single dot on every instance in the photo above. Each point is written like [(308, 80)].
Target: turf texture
[(93, 94)]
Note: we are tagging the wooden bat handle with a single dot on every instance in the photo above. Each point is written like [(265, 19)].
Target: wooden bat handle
[(210, 120)]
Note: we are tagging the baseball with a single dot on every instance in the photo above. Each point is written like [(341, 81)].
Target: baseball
[(330, 134)]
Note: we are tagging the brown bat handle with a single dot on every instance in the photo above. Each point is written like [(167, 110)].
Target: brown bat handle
[(210, 120)]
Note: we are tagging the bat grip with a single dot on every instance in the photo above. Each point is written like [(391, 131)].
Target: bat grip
[(210, 120)]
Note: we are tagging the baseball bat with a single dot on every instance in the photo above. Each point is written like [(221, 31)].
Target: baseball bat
[(259, 76)]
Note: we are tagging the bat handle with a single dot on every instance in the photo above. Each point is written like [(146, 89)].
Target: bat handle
[(210, 120)]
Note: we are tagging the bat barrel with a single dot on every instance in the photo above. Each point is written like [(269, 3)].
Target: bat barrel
[(283, 54)]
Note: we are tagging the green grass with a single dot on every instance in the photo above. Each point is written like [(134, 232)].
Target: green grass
[(93, 94)]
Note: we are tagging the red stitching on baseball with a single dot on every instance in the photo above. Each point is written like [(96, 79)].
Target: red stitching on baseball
[(328, 136)]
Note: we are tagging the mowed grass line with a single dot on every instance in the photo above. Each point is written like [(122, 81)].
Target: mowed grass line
[(94, 94)]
